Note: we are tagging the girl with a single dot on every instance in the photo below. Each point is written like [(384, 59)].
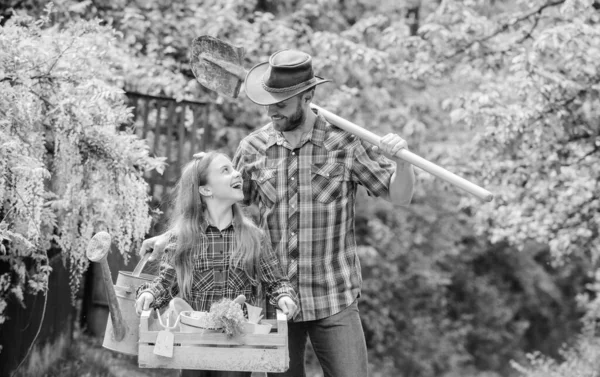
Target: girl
[(214, 251)]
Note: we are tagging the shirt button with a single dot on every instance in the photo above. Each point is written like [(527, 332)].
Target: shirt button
[(293, 153), (292, 178)]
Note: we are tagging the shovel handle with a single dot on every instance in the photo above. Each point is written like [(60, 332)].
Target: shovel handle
[(140, 266), (408, 156)]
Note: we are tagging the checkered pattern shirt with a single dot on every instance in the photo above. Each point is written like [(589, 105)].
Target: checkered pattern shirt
[(313, 216), (214, 279)]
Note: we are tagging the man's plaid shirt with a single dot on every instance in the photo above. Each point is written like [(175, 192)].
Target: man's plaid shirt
[(330, 163), (214, 279)]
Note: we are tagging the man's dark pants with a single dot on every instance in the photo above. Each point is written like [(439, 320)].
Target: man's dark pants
[(338, 342)]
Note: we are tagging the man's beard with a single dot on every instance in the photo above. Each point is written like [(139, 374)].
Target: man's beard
[(291, 123)]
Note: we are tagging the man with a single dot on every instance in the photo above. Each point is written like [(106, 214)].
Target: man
[(303, 174)]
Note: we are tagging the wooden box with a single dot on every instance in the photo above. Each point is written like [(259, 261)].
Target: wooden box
[(249, 352)]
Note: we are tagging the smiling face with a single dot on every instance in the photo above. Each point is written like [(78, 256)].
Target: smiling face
[(224, 183), (287, 115)]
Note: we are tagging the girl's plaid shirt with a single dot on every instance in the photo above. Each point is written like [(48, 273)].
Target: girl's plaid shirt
[(214, 279), (306, 198)]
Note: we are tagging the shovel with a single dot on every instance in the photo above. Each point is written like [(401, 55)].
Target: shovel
[(217, 65)]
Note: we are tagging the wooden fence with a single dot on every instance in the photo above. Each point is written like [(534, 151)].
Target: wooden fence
[(175, 130)]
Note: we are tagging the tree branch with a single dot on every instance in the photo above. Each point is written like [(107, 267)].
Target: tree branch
[(524, 16), (60, 56), (579, 160)]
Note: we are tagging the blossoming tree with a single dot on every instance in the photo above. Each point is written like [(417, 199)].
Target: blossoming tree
[(69, 163)]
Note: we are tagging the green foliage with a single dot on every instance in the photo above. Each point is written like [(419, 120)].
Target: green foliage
[(65, 170)]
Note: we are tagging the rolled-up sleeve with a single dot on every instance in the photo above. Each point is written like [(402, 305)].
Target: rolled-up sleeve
[(372, 170)]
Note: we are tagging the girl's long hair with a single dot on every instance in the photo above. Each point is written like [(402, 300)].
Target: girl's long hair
[(186, 221)]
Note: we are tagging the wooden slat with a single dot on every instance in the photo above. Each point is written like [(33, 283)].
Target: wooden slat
[(210, 358), (134, 103), (207, 137), (193, 132), (156, 141), (189, 339), (144, 317), (282, 325), (145, 118), (168, 131), (182, 138), (157, 126)]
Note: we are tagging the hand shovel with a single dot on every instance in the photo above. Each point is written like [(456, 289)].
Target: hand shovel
[(217, 65)]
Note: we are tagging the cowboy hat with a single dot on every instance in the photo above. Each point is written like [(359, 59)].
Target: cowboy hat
[(287, 73)]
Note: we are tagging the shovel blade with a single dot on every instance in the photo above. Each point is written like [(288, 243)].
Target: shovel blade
[(217, 65)]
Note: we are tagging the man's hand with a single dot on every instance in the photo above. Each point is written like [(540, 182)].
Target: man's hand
[(403, 180), (143, 302), (155, 245), (390, 144), (287, 306)]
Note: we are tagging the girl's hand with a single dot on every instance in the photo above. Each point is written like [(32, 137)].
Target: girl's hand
[(155, 245), (143, 302), (287, 306)]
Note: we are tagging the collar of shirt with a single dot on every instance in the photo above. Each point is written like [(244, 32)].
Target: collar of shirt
[(204, 224)]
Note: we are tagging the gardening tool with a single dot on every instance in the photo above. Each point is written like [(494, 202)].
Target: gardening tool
[(122, 327), (165, 338), (218, 66)]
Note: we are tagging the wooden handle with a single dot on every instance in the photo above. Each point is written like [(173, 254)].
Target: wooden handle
[(144, 320), (408, 156)]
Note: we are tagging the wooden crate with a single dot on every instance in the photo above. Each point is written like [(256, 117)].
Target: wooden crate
[(249, 352)]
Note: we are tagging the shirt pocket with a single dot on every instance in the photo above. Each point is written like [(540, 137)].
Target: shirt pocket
[(265, 180), (203, 280), (328, 181), (238, 280)]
